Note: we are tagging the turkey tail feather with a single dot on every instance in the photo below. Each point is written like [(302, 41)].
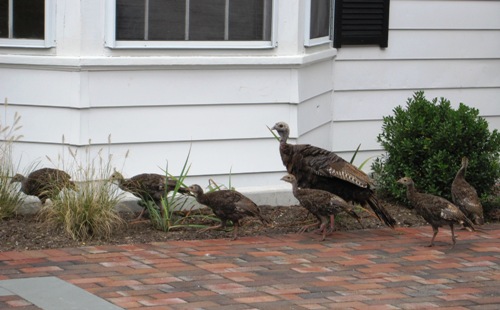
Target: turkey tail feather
[(381, 212), (468, 223)]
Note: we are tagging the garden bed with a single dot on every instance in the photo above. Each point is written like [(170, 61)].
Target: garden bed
[(27, 232)]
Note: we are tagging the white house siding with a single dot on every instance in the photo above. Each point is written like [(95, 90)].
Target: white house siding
[(158, 112), (156, 105), (149, 108), (447, 48)]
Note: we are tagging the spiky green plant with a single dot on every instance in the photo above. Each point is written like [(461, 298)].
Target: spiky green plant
[(88, 213), (360, 167), (177, 208), (10, 197)]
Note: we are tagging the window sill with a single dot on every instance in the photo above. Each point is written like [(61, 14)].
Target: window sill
[(25, 43), (191, 45), (317, 41), (155, 62)]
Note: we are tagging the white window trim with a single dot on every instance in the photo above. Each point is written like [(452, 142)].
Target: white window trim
[(112, 43), (49, 40), (308, 42)]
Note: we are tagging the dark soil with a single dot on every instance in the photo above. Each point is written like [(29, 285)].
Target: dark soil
[(26, 232)]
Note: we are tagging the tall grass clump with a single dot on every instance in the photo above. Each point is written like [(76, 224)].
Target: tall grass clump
[(88, 213), (426, 141), (10, 198), (177, 208)]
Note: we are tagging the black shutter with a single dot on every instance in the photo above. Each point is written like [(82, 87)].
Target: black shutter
[(361, 22)]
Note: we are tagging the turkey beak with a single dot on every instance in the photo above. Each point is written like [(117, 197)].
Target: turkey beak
[(190, 192), (286, 179)]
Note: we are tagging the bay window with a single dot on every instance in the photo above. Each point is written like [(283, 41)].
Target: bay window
[(190, 23)]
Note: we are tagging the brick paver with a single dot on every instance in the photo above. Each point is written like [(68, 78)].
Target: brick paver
[(365, 269)]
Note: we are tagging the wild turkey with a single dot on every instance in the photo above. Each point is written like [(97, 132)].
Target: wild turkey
[(227, 205), (45, 183), (435, 210), (322, 204), (465, 196), (147, 187), (317, 168)]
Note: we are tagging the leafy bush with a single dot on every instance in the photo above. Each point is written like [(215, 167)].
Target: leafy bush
[(491, 207), (426, 141)]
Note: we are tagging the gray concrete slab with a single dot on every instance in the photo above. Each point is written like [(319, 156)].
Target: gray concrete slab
[(4, 292), (52, 293)]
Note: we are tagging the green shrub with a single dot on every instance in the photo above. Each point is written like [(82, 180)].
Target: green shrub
[(491, 206), (426, 141)]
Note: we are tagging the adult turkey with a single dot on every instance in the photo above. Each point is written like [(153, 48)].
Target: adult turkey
[(435, 210), (318, 168), (465, 196), (228, 205), (148, 187), (322, 204), (45, 183)]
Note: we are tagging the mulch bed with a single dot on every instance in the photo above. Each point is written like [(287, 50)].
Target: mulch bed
[(27, 232)]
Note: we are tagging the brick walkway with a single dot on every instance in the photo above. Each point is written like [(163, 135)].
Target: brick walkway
[(367, 269)]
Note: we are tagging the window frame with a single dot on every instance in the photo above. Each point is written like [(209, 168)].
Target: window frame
[(112, 43), (308, 41), (49, 36)]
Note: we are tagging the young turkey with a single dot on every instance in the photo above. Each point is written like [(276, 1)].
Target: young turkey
[(435, 210), (318, 168), (148, 187), (322, 204), (465, 196), (45, 183), (227, 205)]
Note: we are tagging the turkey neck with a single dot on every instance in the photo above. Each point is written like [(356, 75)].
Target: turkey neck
[(121, 183), (23, 184), (286, 154), (285, 149), (200, 197), (295, 188), (284, 136), (411, 192), (461, 172)]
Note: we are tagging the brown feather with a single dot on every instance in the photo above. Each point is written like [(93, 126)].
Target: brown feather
[(318, 168), (44, 183), (435, 210), (465, 196), (228, 205), (322, 204), (147, 187)]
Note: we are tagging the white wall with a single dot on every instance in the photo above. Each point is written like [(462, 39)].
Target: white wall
[(447, 48), (156, 105)]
